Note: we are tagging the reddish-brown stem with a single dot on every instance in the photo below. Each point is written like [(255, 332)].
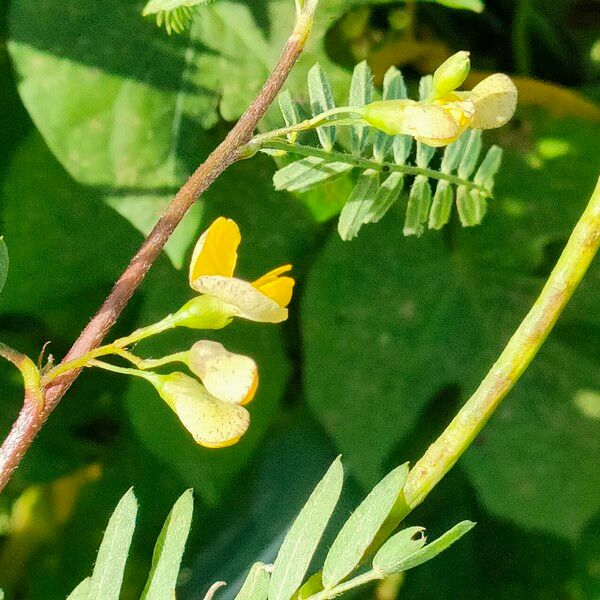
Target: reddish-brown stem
[(29, 421)]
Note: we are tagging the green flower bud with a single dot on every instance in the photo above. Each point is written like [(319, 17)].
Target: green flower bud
[(450, 75), (387, 115), (203, 312)]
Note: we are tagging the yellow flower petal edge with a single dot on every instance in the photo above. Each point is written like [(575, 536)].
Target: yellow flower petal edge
[(242, 298), (216, 251), (279, 289), (495, 101), (227, 376), (212, 422)]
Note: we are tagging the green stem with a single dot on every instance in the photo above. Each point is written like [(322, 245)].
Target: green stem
[(366, 163), (328, 118), (520, 41), (346, 586), (29, 372), (516, 357)]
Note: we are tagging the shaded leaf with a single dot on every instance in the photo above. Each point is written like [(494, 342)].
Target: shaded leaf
[(3, 263)]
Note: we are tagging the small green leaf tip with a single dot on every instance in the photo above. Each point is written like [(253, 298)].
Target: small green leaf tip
[(450, 75), (175, 15)]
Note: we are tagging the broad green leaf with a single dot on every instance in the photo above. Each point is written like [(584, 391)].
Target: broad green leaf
[(303, 174), (387, 196), (256, 586), (360, 529), (401, 552), (358, 209), (3, 263), (169, 549), (81, 592), (361, 93), (105, 583), (321, 100), (419, 202), (419, 316), (441, 206), (302, 539)]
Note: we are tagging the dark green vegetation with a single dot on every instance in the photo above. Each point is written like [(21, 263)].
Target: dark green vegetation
[(387, 335)]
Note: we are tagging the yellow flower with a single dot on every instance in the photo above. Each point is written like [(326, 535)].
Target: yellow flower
[(488, 105), (211, 273), (212, 422), (227, 376)]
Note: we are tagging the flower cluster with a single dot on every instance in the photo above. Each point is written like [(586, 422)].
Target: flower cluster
[(447, 113), (210, 405)]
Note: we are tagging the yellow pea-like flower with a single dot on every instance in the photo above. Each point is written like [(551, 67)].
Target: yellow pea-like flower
[(227, 376), (447, 113), (211, 273), (212, 422)]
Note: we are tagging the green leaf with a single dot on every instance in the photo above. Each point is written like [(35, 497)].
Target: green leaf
[(256, 586), (303, 174), (3, 263), (454, 153), (401, 552), (169, 549), (321, 100), (361, 93), (360, 529), (470, 155), (427, 316), (441, 206), (471, 206), (304, 536), (387, 196), (419, 202), (289, 111), (394, 88), (488, 168), (107, 577), (357, 210), (81, 592), (399, 547)]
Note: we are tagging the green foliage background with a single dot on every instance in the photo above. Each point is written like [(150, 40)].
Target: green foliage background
[(387, 335)]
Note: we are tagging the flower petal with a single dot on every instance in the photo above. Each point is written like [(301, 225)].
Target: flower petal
[(212, 422), (227, 376), (495, 100), (216, 250), (277, 288), (245, 300)]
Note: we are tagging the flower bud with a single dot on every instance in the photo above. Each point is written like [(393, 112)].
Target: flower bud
[(227, 376), (203, 312), (387, 115), (211, 422), (450, 75)]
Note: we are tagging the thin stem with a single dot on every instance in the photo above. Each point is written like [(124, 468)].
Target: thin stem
[(346, 586), (115, 369), (516, 357), (327, 118), (227, 153), (367, 163), (152, 363)]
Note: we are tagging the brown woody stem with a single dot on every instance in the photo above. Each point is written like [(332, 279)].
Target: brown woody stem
[(30, 421)]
